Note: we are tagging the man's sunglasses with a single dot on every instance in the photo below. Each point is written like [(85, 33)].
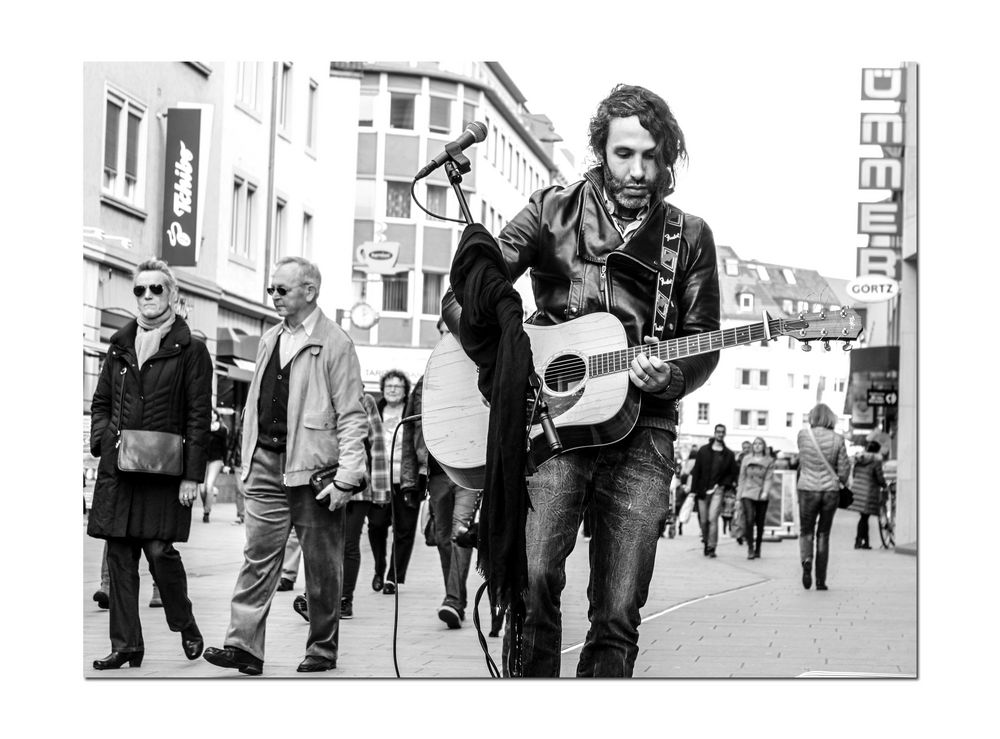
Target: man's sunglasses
[(282, 291), (140, 290)]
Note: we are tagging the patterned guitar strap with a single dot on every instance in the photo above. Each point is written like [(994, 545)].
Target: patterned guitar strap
[(673, 224)]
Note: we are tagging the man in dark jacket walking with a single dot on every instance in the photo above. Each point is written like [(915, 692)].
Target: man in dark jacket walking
[(714, 472), (611, 243)]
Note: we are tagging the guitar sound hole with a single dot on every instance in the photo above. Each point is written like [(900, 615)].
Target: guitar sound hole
[(565, 373)]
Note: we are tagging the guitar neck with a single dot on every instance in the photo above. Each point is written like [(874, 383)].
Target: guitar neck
[(685, 346)]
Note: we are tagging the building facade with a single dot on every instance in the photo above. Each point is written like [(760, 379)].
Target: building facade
[(407, 113), (275, 178), (768, 390)]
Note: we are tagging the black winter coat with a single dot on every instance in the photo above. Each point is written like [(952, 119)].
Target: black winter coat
[(171, 392)]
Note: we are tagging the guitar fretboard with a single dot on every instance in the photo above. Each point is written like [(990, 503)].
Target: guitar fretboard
[(685, 346)]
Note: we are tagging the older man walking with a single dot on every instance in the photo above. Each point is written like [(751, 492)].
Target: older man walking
[(303, 414)]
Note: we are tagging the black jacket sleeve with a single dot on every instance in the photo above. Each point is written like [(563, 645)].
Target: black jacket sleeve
[(100, 407), (698, 309)]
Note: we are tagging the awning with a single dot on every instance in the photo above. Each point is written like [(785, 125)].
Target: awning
[(236, 369), (377, 360)]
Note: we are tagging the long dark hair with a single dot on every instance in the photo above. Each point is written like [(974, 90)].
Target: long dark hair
[(654, 114)]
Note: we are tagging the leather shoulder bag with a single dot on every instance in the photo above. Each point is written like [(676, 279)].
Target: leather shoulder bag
[(846, 496), (149, 452)]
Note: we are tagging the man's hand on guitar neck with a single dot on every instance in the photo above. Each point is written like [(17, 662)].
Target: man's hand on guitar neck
[(649, 374)]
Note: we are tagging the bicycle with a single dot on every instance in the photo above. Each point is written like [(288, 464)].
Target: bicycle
[(887, 517)]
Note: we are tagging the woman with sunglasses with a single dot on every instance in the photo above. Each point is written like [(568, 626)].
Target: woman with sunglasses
[(156, 377)]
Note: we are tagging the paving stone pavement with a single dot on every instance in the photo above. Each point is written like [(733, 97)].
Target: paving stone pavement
[(705, 618)]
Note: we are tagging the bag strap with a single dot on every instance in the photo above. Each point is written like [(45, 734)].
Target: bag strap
[(823, 457), (121, 402)]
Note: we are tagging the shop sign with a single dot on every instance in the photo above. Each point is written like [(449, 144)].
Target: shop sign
[(180, 187), (873, 288)]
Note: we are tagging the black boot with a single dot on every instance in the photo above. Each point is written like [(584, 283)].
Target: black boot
[(807, 578), (116, 659)]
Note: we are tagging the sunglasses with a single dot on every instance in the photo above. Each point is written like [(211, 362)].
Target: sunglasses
[(282, 291), (140, 290)]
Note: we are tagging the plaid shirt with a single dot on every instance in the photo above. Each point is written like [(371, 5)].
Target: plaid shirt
[(377, 490)]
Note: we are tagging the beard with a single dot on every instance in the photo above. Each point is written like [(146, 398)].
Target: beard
[(616, 188)]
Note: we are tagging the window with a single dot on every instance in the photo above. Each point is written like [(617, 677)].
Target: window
[(802, 307), (397, 200), (762, 273), (284, 94), (503, 148), (702, 412), (493, 145), (839, 385), (279, 228), (531, 176), (241, 239), (762, 378), (742, 419), (817, 307), (517, 170), (745, 301), (745, 380), (788, 275), (761, 419), (805, 419), (788, 306), (437, 200), (247, 84), (394, 291), (124, 147), (433, 291), (307, 235), (746, 419), (510, 162), (482, 216), (469, 115), (401, 110), (440, 119), (805, 382), (366, 111), (732, 267), (789, 419), (791, 380), (311, 113)]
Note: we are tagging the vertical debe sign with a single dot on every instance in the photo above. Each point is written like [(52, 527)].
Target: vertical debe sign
[(180, 187)]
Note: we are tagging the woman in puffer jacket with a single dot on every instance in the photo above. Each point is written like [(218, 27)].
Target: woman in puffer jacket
[(823, 469), (869, 481)]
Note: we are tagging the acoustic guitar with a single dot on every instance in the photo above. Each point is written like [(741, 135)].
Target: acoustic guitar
[(583, 365)]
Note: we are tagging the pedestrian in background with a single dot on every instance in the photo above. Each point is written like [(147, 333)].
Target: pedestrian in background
[(714, 470), (868, 485), (303, 416), (217, 439), (156, 377), (756, 477), (823, 469), (403, 512)]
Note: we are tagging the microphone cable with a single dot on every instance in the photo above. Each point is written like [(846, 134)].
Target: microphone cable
[(392, 523), (413, 195)]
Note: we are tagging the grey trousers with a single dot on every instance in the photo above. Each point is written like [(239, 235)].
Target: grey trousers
[(271, 510)]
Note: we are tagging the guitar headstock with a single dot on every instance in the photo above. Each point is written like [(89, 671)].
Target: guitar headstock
[(826, 326)]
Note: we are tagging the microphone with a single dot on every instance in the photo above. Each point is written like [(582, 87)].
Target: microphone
[(474, 133)]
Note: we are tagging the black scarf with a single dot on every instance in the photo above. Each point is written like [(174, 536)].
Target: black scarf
[(492, 336)]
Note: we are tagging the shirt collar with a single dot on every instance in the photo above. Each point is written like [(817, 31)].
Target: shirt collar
[(308, 324)]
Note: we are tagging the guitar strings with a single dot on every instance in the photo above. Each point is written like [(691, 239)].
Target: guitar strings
[(568, 369)]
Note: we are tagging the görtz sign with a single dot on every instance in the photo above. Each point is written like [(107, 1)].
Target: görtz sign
[(873, 288)]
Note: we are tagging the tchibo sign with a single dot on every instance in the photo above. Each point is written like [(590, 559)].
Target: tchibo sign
[(873, 288)]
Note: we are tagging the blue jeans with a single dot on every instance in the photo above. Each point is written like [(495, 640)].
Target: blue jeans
[(631, 483), (816, 509), (453, 506), (709, 508)]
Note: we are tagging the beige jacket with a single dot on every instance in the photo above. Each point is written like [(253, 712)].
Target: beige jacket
[(327, 423)]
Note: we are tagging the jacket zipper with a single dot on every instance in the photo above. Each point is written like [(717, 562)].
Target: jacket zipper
[(604, 286)]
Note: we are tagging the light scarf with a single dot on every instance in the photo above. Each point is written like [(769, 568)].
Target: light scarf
[(150, 333)]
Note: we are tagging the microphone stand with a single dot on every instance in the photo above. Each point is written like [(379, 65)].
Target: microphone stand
[(455, 167)]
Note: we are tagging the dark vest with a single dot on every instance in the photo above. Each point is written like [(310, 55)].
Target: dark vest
[(272, 403)]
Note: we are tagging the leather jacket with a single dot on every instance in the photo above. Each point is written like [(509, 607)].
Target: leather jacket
[(580, 264)]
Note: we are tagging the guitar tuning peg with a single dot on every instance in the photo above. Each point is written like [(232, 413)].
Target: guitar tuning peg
[(806, 347), (826, 346), (848, 346)]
